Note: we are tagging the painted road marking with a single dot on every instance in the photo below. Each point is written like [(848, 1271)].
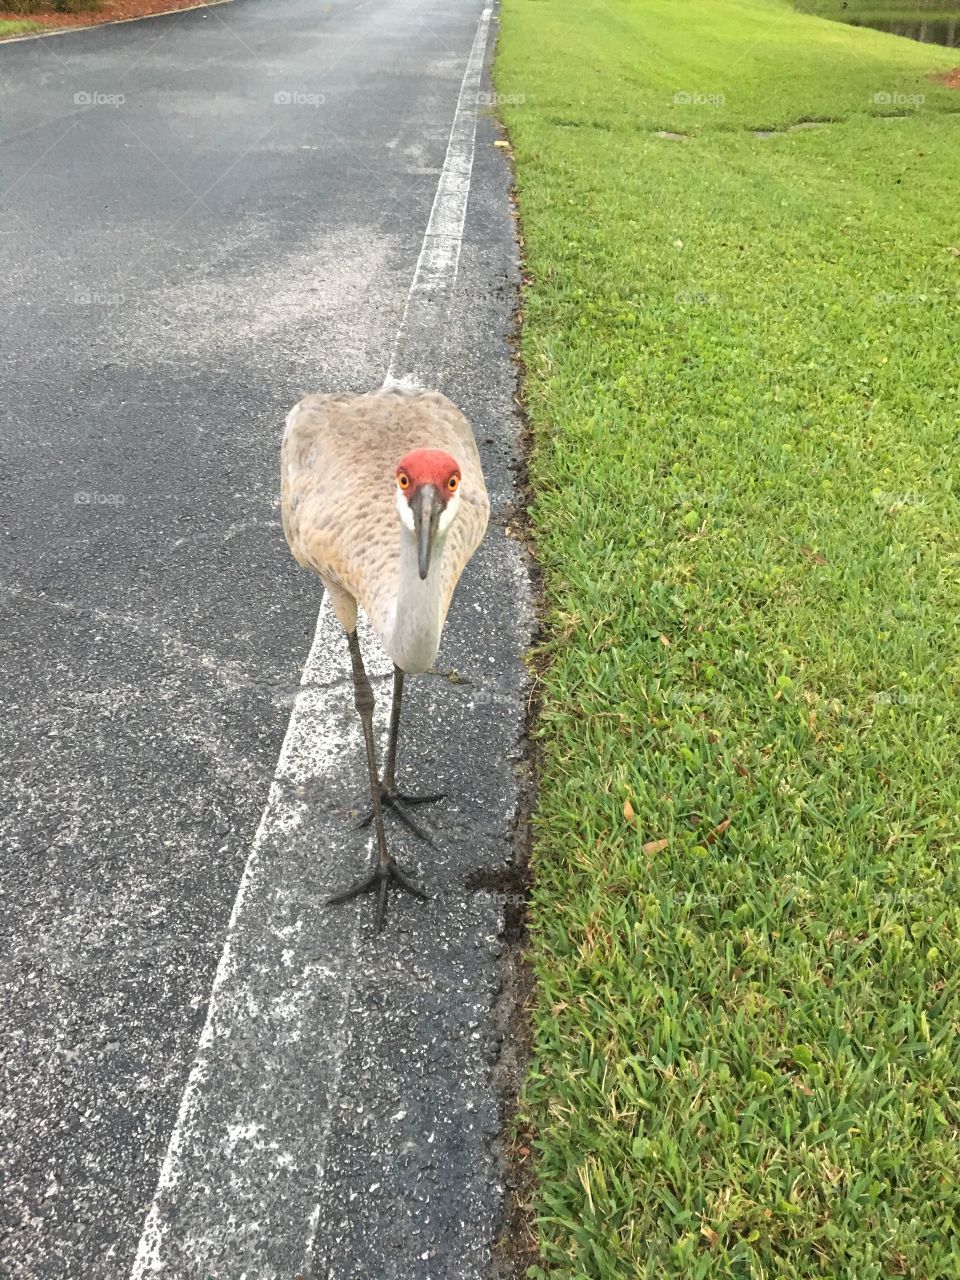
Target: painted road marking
[(231, 1186), (421, 329)]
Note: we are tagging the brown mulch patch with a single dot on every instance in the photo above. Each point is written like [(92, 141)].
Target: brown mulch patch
[(109, 11), (950, 78)]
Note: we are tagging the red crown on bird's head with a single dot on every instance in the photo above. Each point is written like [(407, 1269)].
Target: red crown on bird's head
[(428, 466)]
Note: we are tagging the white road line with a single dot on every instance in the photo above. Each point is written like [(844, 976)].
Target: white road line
[(433, 279), (318, 739), (302, 750)]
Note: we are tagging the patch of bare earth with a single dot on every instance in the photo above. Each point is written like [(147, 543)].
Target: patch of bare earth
[(109, 11)]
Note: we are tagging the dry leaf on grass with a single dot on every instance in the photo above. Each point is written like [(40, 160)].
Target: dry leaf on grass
[(654, 846), (628, 812), (815, 556), (718, 830)]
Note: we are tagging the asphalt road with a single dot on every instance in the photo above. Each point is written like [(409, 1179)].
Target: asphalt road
[(203, 217)]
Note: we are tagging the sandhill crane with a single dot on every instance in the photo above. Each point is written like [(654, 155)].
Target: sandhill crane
[(383, 498)]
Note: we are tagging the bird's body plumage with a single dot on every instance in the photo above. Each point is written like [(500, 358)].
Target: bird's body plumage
[(339, 495)]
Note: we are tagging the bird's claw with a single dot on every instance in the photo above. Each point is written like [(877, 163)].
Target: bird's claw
[(379, 879), (399, 801)]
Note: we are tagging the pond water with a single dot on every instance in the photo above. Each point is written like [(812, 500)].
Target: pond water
[(933, 23), (938, 30)]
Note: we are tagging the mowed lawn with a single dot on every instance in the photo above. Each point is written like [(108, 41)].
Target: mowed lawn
[(17, 27), (742, 358)]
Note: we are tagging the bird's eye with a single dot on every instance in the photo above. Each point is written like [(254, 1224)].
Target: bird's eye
[(403, 480), (453, 483)]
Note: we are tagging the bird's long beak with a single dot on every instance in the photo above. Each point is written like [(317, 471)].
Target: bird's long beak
[(426, 508)]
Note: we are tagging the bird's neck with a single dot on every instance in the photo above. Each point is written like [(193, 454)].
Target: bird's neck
[(415, 637)]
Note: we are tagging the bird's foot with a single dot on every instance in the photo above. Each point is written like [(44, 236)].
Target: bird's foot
[(391, 797), (379, 880)]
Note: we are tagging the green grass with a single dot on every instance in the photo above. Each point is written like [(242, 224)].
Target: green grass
[(56, 6), (742, 364), (18, 27)]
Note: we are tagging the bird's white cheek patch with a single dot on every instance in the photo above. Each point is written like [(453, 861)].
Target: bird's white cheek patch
[(449, 514), (404, 512)]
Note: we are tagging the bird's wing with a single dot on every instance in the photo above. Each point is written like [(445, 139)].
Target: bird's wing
[(464, 537), (336, 478)]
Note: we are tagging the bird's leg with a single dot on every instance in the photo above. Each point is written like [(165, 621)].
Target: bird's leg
[(386, 869), (390, 763), (391, 797)]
